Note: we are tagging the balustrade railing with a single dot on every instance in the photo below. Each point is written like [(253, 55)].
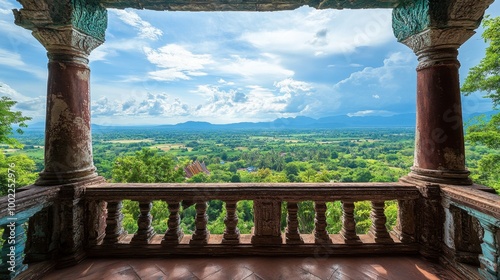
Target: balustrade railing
[(267, 233), (22, 211), (463, 230)]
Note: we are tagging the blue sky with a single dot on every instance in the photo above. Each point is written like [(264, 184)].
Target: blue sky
[(224, 67)]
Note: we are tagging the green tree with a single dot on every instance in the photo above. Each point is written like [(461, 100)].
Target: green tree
[(485, 77), (8, 119), (147, 166), (21, 166)]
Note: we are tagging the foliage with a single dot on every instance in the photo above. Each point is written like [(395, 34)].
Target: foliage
[(8, 118), (361, 155), (23, 170), (147, 166), (486, 77)]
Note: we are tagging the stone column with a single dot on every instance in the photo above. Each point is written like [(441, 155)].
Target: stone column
[(435, 30), (69, 30), (69, 33)]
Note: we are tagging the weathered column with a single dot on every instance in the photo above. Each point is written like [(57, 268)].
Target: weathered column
[(69, 33), (435, 30), (69, 30)]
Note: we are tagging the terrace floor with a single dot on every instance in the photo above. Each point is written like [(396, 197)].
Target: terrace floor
[(383, 267)]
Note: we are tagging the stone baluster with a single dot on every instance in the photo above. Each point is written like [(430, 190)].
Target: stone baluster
[(348, 231), (378, 230), (231, 233), (201, 234), (114, 228), (174, 234), (405, 225), (145, 231), (292, 229), (320, 233), (13, 249)]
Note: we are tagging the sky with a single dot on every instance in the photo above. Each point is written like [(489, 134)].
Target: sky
[(226, 67)]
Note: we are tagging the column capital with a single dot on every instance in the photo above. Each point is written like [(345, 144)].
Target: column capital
[(73, 27), (432, 24)]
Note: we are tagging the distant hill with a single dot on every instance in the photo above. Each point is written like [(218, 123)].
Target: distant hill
[(300, 122)]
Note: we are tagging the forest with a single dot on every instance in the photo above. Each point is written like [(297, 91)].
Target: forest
[(334, 155)]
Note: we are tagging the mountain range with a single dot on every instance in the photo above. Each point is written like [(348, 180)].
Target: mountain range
[(300, 122)]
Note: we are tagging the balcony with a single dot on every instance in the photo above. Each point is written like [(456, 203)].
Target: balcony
[(72, 218), (454, 226)]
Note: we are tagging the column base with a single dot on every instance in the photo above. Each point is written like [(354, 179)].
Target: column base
[(48, 178), (449, 177)]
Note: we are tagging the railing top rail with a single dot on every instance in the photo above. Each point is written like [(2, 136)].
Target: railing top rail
[(474, 198), (241, 191), (27, 198)]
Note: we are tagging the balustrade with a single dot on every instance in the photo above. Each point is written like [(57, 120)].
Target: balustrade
[(465, 208)]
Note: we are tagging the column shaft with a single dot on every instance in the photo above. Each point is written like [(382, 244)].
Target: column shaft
[(68, 140)]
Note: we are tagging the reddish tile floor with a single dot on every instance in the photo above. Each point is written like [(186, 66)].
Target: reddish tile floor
[(356, 268)]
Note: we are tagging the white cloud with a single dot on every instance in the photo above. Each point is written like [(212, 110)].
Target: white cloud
[(383, 75), (31, 107), (365, 113), (224, 82), (145, 29), (264, 68), (14, 60), (6, 7), (160, 104), (176, 63), (376, 96), (322, 32)]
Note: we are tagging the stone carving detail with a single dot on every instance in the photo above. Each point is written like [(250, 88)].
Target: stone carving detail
[(145, 231), (348, 231), (74, 26), (267, 217), (66, 40), (114, 229), (320, 233), (437, 24), (90, 17), (231, 233), (292, 230), (378, 230), (174, 233), (410, 18), (201, 235)]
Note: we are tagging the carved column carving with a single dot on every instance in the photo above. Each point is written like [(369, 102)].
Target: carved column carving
[(267, 217), (69, 33), (231, 233), (463, 243), (435, 30), (145, 231), (39, 243), (292, 229), (320, 234), (348, 231), (378, 230), (174, 233), (430, 220), (201, 234)]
